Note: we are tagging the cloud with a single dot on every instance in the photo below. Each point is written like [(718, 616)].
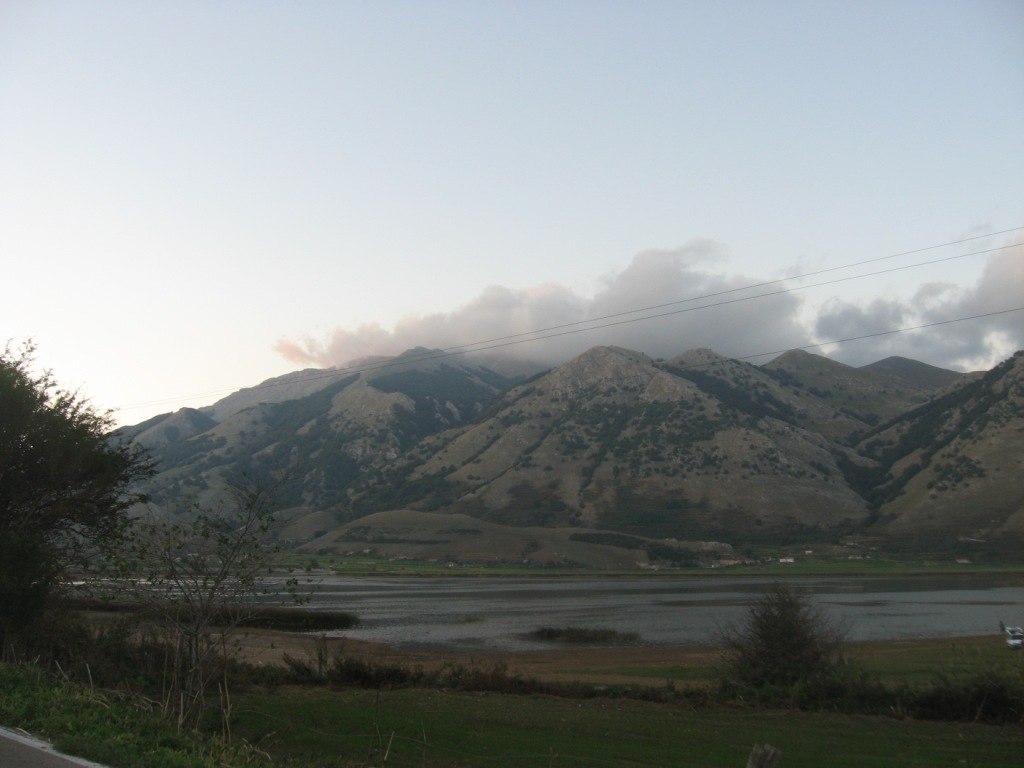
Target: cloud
[(668, 301), (969, 345), (663, 303), (342, 346)]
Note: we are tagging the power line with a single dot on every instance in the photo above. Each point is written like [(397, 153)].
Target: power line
[(567, 329), (886, 333), (752, 286), (726, 302), (765, 284), (576, 326)]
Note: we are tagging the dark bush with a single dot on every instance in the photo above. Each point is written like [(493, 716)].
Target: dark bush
[(784, 640), (987, 696), (345, 670), (584, 635)]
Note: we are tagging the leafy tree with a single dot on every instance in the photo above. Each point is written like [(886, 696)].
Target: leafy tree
[(784, 640), (65, 489)]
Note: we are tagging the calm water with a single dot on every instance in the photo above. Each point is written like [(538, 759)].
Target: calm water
[(498, 613)]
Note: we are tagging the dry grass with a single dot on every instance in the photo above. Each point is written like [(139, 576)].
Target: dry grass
[(622, 665)]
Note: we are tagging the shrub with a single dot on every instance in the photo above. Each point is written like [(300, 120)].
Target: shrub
[(584, 635), (987, 695), (784, 641)]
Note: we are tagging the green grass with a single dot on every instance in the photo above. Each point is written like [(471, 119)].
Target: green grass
[(297, 727), (444, 728), (906, 663), (921, 662), (106, 728), (296, 563), (688, 674), (874, 566)]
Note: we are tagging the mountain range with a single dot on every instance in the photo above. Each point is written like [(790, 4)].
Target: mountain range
[(616, 459)]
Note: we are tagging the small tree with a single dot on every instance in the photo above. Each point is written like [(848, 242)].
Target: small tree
[(200, 579), (65, 490), (784, 640)]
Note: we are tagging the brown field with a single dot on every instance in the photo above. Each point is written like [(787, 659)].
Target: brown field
[(621, 665)]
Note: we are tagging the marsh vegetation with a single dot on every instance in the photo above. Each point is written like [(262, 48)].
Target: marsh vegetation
[(585, 636)]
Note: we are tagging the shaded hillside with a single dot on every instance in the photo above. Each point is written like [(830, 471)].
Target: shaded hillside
[(696, 447), (315, 447), (914, 374), (954, 468), (169, 428), (615, 444), (846, 402), (457, 538)]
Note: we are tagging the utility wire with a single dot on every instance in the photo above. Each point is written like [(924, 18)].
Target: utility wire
[(725, 302), (621, 318), (885, 333), (568, 329), (767, 283)]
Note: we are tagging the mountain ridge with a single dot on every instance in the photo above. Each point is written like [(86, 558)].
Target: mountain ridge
[(694, 448)]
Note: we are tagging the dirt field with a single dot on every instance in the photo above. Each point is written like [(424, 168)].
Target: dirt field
[(607, 666)]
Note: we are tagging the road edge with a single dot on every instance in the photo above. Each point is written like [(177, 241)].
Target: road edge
[(22, 737)]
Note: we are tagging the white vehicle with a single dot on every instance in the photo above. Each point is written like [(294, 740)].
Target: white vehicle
[(1015, 637)]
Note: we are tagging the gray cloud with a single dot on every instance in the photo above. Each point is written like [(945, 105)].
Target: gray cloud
[(687, 300), (549, 323), (968, 345)]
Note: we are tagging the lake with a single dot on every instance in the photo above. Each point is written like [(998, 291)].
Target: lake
[(498, 613)]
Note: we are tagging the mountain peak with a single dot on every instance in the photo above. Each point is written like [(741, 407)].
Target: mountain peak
[(913, 372), (602, 364), (698, 358), (802, 359)]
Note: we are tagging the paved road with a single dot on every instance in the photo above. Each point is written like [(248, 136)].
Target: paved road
[(20, 751)]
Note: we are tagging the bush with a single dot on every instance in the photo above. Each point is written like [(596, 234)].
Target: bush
[(987, 695), (584, 635), (784, 641)]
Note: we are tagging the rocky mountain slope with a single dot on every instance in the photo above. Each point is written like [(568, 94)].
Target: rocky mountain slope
[(617, 449), (954, 467), (316, 445)]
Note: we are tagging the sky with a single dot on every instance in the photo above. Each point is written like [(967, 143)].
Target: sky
[(198, 196)]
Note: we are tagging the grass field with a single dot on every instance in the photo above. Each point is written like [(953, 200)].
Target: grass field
[(443, 728), (903, 662), (346, 727), (358, 565), (416, 727)]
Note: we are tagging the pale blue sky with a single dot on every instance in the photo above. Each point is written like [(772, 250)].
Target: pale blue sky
[(187, 188)]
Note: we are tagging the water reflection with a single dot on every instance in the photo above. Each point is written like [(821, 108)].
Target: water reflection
[(498, 613)]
